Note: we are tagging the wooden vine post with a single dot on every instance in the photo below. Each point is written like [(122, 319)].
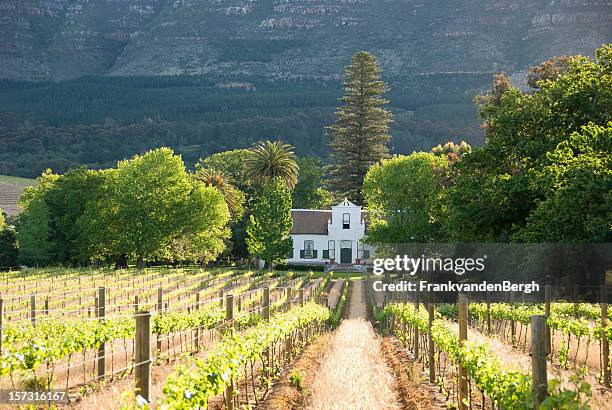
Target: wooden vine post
[(229, 319), (463, 324), (488, 313), (289, 298), (160, 300), (547, 293), (432, 364), (415, 349), (538, 358), (266, 303), (605, 346), (197, 330), (142, 368), (102, 348), (1, 316), (266, 317), (33, 308)]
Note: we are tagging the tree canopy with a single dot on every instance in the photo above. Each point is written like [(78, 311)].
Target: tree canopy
[(360, 136), (403, 198), (270, 223), (309, 192), (267, 160), (535, 165)]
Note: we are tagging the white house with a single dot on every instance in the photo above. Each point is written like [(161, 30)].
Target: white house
[(330, 236)]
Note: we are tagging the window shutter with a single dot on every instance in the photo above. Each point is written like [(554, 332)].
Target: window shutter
[(314, 254), (302, 254), (325, 254)]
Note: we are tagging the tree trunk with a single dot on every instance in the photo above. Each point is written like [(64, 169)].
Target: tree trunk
[(140, 263), (121, 262)]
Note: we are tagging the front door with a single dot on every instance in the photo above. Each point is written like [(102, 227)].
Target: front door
[(346, 255)]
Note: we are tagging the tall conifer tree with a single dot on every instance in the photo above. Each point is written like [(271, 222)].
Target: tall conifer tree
[(359, 138)]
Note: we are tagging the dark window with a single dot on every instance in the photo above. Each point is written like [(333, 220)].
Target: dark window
[(346, 221), (325, 254), (309, 252), (331, 249)]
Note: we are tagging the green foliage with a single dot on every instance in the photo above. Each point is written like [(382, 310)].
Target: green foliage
[(66, 200), (234, 198), (268, 231), (338, 313), (2, 221), (232, 163), (308, 192), (9, 254), (510, 389), (25, 346), (451, 150), (403, 195), (193, 384), (173, 214), (546, 161), (33, 229), (148, 207), (359, 137), (268, 160), (296, 380), (576, 181)]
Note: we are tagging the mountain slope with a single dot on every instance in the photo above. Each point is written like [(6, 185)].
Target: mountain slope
[(60, 39)]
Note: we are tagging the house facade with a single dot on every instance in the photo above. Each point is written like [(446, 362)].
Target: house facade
[(330, 236)]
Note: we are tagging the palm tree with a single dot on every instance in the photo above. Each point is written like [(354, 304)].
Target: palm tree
[(234, 198), (272, 159)]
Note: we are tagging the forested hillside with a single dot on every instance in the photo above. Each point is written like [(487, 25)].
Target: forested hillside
[(98, 120)]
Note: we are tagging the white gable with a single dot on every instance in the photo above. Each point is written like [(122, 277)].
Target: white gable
[(346, 203)]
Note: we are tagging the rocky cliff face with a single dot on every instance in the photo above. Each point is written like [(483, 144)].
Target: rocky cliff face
[(60, 39)]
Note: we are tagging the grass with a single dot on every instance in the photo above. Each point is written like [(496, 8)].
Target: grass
[(339, 275)]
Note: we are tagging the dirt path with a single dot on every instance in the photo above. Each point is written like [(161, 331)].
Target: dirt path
[(354, 375)]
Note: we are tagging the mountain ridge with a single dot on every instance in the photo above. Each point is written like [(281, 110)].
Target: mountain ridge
[(311, 39)]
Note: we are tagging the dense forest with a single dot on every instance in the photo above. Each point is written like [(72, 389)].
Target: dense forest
[(96, 121)]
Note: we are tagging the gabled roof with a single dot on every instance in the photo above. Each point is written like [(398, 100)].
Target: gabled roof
[(310, 221), (346, 202)]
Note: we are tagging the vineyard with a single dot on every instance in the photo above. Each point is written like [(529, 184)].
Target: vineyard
[(501, 355), (232, 338), (83, 334)]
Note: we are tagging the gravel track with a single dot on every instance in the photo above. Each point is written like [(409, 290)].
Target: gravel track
[(354, 374)]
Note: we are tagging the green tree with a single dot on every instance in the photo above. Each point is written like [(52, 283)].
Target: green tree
[(9, 253), (66, 200), (308, 192), (234, 198), (204, 227), (98, 225), (451, 150), (268, 231), (152, 197), (268, 160), (403, 196), (33, 227), (360, 136), (231, 163), (497, 186), (578, 196), (2, 220)]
